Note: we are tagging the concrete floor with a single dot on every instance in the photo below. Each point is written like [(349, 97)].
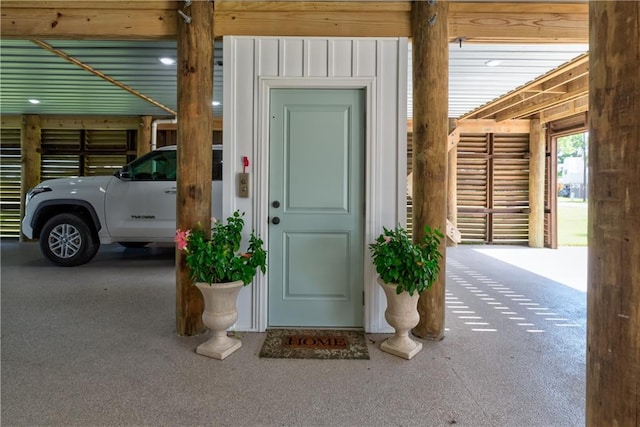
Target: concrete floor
[(96, 345)]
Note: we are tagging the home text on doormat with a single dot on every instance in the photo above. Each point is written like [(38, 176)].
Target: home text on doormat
[(314, 344)]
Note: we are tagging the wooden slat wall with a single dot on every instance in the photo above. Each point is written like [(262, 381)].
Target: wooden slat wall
[(106, 151), (511, 189), (472, 185), (10, 169), (493, 188), (60, 153), (65, 153)]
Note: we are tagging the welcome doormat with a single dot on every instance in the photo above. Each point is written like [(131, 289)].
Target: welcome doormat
[(314, 344)]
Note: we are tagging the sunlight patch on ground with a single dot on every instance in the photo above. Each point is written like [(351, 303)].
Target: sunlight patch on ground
[(566, 265)]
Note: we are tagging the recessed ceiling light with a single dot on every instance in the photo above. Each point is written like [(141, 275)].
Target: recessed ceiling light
[(492, 63), (167, 61), (34, 101), (215, 103)]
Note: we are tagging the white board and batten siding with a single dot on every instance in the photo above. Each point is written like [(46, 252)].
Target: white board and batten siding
[(253, 66)]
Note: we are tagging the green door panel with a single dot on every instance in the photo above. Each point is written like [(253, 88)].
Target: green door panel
[(316, 250)]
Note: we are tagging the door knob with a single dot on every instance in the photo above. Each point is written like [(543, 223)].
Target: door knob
[(275, 220), (275, 204)]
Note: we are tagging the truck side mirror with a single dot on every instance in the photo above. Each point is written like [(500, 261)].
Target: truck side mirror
[(124, 173)]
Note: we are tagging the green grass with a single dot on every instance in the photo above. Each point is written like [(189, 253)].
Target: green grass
[(572, 222)]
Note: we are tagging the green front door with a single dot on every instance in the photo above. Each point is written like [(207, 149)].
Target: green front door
[(316, 207)]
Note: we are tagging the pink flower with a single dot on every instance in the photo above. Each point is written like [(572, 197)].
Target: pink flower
[(182, 238), (387, 239)]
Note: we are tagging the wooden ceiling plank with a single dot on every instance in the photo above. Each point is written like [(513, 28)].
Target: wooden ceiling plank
[(121, 19), (570, 108), (312, 6), (216, 125), (533, 8), (575, 69), (528, 98), (503, 27), (569, 74), (10, 122), (468, 126), (89, 122), (332, 24), (74, 4), (87, 23), (503, 103), (519, 22), (542, 102), (531, 92)]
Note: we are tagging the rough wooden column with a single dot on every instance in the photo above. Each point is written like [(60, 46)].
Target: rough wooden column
[(30, 157), (536, 184), (195, 93), (613, 296), (430, 50), (143, 144)]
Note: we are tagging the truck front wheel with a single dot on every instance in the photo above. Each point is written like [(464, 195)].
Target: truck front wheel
[(66, 240)]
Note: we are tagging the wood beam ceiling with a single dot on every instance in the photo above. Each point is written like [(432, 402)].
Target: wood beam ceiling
[(334, 19), (106, 20), (497, 22), (558, 93), (535, 22)]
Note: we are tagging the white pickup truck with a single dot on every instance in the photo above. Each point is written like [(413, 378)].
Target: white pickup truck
[(71, 217)]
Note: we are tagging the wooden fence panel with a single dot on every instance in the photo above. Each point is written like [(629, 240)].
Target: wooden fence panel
[(493, 188)]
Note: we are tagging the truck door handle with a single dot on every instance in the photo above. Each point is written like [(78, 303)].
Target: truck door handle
[(170, 190)]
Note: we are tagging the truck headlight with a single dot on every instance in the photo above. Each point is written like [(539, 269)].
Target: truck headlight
[(37, 190)]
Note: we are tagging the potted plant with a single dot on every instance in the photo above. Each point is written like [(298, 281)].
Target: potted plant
[(219, 269), (405, 269)]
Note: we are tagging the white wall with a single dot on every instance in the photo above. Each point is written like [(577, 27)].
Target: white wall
[(254, 65)]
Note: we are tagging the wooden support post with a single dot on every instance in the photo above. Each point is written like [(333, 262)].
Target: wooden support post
[(143, 144), (536, 184), (452, 184), (613, 291), (30, 132), (430, 143), (195, 93)]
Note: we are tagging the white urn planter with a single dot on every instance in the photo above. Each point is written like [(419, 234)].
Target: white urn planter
[(220, 312), (402, 315)]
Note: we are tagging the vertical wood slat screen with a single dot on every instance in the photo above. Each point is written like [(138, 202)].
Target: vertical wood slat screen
[(60, 153), (106, 151), (10, 170), (493, 188), (511, 189), (84, 152), (472, 187)]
